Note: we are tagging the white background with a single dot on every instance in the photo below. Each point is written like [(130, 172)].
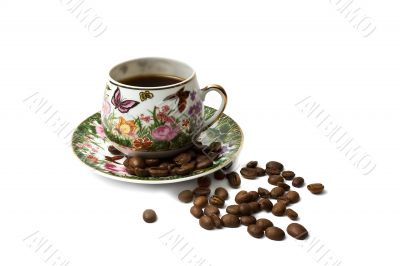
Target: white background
[(269, 55)]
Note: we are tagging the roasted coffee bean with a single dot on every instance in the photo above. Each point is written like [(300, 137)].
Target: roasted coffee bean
[(264, 223), (293, 196), (114, 150), (142, 172), (245, 209), (186, 168), (216, 220), (126, 162), (279, 209), (277, 192), (291, 214), (255, 231), (252, 164), (222, 193), (274, 168), (204, 181), (152, 162), (249, 173), (114, 158), (254, 206), (288, 175), (298, 181), (264, 193), (211, 209), (242, 196), (219, 175), (253, 195), (158, 172), (182, 158), (247, 220), (130, 170), (274, 179), (315, 188), (200, 201), (275, 233), (199, 147), (206, 222), (216, 201), (173, 171), (203, 163), (149, 216), (230, 220), (201, 191), (227, 167), (213, 155), (196, 211), (283, 185), (260, 171), (265, 204), (234, 179), (185, 196), (136, 161), (233, 209), (215, 146), (164, 165), (297, 231)]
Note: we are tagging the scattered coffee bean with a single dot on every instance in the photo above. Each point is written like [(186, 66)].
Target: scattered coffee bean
[(222, 193), (233, 209), (315, 188), (203, 162), (158, 171), (274, 179), (152, 162), (279, 209), (216, 201), (142, 172), (201, 191), (149, 216), (185, 168), (136, 161), (227, 167), (211, 209), (247, 220), (274, 168), (293, 196), (196, 211), (264, 193), (249, 173), (182, 158), (219, 175), (200, 201), (234, 179), (252, 164), (283, 185), (275, 233), (185, 196), (291, 214), (288, 175), (114, 150), (206, 222), (130, 170), (215, 146), (277, 192), (284, 200), (242, 196), (260, 171), (264, 223), (245, 209), (216, 220), (255, 231), (230, 220), (253, 195), (297, 231), (298, 181), (204, 181), (265, 204), (254, 206)]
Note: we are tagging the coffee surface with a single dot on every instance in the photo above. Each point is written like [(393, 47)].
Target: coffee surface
[(151, 80)]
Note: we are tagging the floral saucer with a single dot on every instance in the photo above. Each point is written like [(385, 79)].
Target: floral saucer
[(90, 144)]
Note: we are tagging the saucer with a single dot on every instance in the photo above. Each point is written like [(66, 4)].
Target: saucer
[(90, 145)]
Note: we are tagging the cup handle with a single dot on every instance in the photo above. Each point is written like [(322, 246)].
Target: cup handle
[(218, 113)]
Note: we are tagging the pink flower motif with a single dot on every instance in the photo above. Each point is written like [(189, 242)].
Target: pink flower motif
[(114, 167), (100, 131), (165, 132), (165, 108), (145, 118), (106, 108), (91, 159)]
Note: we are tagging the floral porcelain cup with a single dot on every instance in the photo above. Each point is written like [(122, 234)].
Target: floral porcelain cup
[(155, 121)]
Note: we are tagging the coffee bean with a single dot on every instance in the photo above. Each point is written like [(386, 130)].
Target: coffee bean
[(219, 175), (274, 168), (234, 179), (252, 164), (216, 220), (185, 196), (249, 173), (274, 179), (298, 181), (182, 158), (142, 172), (206, 222), (136, 161), (152, 162), (277, 192), (315, 188), (255, 231), (204, 181), (158, 172), (130, 170), (297, 231), (247, 220), (264, 193), (201, 191), (264, 223), (284, 200), (233, 209), (288, 175), (215, 147), (291, 214), (293, 196), (186, 168), (203, 162), (253, 195), (164, 165), (213, 155), (126, 162), (265, 204), (149, 216), (227, 167), (114, 150), (242, 196), (260, 171), (216, 201), (245, 209), (279, 209), (283, 185), (254, 206), (275, 233), (200, 201), (196, 211), (222, 193), (230, 220), (211, 209)]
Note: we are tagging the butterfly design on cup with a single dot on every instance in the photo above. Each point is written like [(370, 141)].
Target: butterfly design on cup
[(144, 95), (122, 105), (182, 96)]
